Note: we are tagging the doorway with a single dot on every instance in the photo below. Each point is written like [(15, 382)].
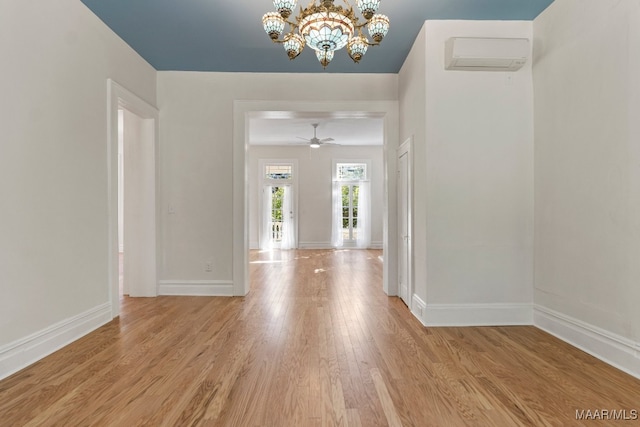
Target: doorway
[(278, 207), (352, 224), (121, 289), (244, 111), (349, 198), (136, 204), (132, 143)]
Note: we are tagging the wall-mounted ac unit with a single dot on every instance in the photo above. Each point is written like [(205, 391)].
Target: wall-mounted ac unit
[(485, 54)]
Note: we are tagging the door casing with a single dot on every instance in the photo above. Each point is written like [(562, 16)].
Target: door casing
[(405, 195)]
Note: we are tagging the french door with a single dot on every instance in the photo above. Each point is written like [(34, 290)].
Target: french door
[(280, 217), (350, 193), (278, 213)]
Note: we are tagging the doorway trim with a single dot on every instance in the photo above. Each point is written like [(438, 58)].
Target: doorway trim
[(244, 110), (406, 148), (263, 182), (120, 97)]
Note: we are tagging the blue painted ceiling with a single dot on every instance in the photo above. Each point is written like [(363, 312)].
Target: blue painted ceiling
[(215, 35)]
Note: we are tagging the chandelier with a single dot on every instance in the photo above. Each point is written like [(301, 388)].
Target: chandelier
[(326, 28)]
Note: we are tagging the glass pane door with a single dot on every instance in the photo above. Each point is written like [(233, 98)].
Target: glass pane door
[(350, 212)]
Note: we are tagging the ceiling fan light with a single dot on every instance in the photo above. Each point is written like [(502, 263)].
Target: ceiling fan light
[(293, 44), (324, 56), (378, 27), (285, 7), (273, 24), (368, 7), (314, 145), (357, 47)]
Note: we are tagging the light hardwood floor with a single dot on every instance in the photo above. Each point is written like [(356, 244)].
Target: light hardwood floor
[(315, 343)]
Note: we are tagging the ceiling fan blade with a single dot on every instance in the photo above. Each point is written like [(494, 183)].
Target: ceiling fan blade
[(327, 140), (304, 139)]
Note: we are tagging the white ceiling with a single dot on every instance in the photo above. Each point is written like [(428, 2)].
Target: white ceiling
[(286, 128)]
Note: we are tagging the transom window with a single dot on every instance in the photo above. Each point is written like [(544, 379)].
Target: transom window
[(279, 172), (351, 171)]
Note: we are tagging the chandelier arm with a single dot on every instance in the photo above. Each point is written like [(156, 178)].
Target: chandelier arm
[(280, 41), (351, 15), (349, 5)]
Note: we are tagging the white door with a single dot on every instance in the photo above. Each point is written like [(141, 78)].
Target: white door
[(139, 256), (404, 228)]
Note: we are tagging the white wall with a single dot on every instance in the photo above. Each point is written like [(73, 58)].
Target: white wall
[(413, 95), (315, 189), (56, 59), (477, 185), (196, 148), (587, 169)]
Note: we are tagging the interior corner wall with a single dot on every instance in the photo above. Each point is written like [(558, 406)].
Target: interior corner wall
[(587, 176), (473, 198), (315, 189), (413, 117), (196, 148), (57, 57)]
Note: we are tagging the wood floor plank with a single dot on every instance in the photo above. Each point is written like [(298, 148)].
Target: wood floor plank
[(315, 343), (387, 403)]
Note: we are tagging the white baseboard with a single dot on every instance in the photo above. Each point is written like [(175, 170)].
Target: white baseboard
[(611, 348), (418, 307), (328, 245), (210, 288), (498, 314), (314, 245), (23, 352)]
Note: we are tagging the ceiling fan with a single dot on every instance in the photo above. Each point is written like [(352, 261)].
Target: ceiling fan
[(315, 142)]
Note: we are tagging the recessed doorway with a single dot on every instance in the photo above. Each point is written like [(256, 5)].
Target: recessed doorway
[(132, 142)]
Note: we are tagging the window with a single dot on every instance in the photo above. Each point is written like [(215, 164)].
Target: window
[(278, 172), (351, 171)]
